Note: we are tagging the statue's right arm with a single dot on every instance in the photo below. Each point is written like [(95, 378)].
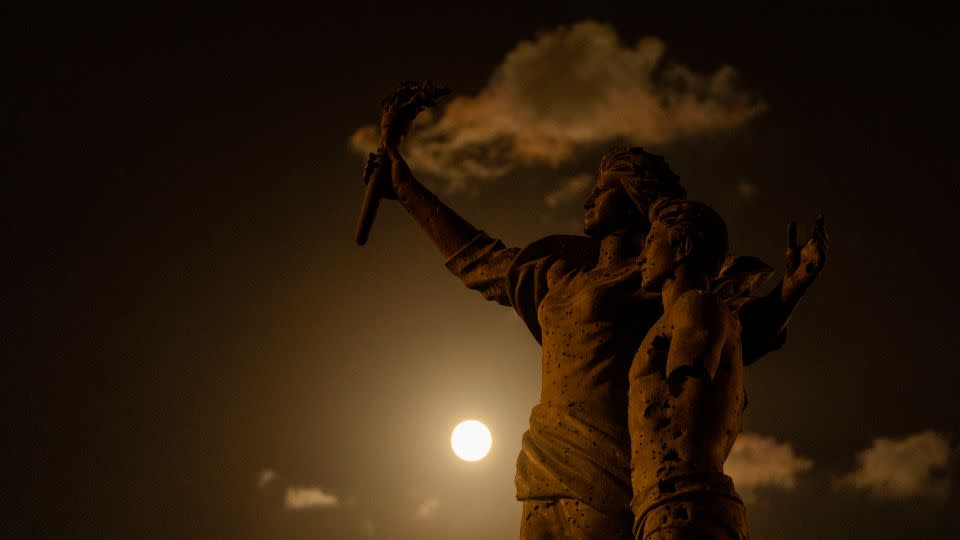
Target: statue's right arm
[(479, 261), (448, 231)]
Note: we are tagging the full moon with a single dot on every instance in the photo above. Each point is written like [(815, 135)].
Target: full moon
[(471, 440)]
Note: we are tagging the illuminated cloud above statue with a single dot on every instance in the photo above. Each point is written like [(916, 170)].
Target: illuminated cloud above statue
[(567, 89)]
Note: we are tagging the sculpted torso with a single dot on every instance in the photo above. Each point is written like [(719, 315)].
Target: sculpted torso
[(682, 425), (592, 323)]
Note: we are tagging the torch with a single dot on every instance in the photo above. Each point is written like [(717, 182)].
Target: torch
[(399, 111)]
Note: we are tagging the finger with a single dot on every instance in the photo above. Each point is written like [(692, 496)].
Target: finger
[(793, 241), (371, 165), (412, 101), (822, 231), (819, 241), (817, 238), (792, 256)]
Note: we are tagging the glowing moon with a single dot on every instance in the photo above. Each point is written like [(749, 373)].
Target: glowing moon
[(471, 440)]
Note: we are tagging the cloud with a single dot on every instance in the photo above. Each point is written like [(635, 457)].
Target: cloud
[(266, 477), (746, 190), (758, 461), (914, 466), (299, 498), (569, 88), (570, 190), (427, 509)]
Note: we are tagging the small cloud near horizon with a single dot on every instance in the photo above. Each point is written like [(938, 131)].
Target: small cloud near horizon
[(746, 190), (758, 461), (915, 466), (427, 509), (267, 476), (300, 498)]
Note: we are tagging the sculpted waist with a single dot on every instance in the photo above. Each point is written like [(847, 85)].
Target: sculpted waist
[(691, 432), (598, 387), (696, 486), (569, 454)]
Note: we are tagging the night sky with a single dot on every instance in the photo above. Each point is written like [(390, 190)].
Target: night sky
[(194, 347)]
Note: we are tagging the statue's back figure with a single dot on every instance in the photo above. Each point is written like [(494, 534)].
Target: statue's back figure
[(582, 299), (686, 395)]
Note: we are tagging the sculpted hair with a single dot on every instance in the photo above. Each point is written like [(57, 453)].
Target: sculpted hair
[(651, 177), (698, 227)]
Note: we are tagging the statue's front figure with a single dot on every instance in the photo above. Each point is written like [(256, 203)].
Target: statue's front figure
[(686, 394)]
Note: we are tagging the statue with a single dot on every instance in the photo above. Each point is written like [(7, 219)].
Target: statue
[(582, 299), (686, 396)]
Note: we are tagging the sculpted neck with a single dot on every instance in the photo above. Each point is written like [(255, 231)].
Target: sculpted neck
[(620, 247), (684, 279)]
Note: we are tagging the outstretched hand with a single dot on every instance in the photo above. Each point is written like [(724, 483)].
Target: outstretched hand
[(399, 111), (804, 264), (402, 107)]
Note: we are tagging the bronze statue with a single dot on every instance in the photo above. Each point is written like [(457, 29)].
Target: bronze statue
[(686, 396), (582, 299)]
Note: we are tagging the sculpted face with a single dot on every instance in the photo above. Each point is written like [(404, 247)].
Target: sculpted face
[(658, 259), (608, 208)]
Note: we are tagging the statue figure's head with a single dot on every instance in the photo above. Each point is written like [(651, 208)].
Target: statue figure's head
[(682, 232), (628, 181)]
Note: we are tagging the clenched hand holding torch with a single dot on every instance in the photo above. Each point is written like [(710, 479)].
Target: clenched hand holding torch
[(399, 111)]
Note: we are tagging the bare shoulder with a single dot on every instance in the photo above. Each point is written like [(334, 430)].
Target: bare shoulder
[(698, 308), (700, 329)]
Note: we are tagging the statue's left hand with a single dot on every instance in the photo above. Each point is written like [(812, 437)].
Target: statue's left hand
[(804, 264)]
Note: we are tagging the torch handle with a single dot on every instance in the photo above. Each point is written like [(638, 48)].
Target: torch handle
[(399, 112), (371, 201)]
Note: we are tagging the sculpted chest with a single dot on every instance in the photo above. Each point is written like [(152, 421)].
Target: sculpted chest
[(585, 300), (651, 355)]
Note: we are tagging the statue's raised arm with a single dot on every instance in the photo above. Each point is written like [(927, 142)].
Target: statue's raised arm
[(479, 261), (400, 109)]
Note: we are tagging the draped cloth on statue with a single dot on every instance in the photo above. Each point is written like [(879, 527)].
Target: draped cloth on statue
[(566, 455)]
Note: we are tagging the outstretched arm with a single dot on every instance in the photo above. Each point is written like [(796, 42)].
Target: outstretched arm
[(765, 320), (447, 229), (482, 263), (386, 174)]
